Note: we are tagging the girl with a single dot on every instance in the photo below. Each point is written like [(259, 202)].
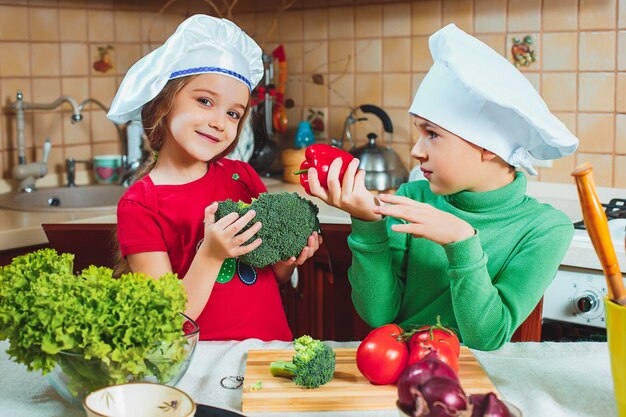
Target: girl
[(467, 244), (192, 95)]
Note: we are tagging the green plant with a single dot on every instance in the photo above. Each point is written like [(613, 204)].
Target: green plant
[(312, 365), (100, 330), (288, 221)]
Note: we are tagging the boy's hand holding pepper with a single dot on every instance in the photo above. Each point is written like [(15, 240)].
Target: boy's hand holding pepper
[(349, 194), (424, 220)]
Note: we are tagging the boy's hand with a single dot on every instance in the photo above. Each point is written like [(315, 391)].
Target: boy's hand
[(424, 220), (350, 195), (221, 240)]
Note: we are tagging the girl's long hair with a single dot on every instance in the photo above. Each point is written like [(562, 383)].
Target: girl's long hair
[(154, 120)]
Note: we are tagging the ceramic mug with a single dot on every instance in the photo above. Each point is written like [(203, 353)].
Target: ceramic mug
[(107, 168), (616, 335)]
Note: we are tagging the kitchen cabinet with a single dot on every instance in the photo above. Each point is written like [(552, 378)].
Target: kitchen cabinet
[(6, 256), (320, 305)]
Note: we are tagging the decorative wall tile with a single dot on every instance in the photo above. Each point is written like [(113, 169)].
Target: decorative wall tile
[(559, 51), (536, 45), (490, 16), (426, 17), (596, 14), (596, 91), (596, 51), (458, 12), (315, 24), (524, 15), (397, 19), (559, 91), (596, 132), (368, 21), (560, 15), (397, 54)]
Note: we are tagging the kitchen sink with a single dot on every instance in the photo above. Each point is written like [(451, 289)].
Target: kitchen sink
[(58, 199)]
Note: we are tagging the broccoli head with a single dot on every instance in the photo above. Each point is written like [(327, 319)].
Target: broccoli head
[(312, 365), (288, 221)]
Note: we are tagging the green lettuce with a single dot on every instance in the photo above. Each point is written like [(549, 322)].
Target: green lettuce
[(119, 329)]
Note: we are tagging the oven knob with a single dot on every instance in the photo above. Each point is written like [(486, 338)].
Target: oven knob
[(586, 303)]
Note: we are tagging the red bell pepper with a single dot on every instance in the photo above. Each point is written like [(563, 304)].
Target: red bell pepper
[(320, 156)]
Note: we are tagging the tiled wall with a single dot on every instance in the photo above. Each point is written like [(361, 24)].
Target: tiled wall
[(372, 52)]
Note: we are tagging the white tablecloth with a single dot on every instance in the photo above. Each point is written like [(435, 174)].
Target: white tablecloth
[(542, 379)]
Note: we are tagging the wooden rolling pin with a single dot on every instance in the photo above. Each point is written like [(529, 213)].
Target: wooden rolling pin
[(598, 230)]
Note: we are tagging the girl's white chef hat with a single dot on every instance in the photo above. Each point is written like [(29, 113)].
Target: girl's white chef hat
[(475, 93), (201, 44)]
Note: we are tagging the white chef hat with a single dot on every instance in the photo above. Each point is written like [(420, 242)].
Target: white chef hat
[(475, 93), (201, 44)]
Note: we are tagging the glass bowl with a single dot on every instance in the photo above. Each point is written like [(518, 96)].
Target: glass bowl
[(74, 377)]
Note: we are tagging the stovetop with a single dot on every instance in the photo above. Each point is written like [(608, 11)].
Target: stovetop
[(615, 209)]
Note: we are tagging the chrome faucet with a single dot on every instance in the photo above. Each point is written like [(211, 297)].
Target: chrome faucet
[(28, 173), (128, 167)]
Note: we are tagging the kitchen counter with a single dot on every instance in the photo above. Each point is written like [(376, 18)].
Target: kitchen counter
[(21, 229), (542, 379)]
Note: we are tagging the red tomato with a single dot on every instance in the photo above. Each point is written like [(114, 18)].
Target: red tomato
[(382, 355), (442, 350), (439, 333)]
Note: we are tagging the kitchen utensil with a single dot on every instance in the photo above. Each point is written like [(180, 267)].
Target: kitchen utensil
[(598, 230), (384, 169), (279, 116), (348, 391)]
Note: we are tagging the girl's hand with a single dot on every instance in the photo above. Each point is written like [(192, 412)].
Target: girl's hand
[(221, 240), (424, 220), (284, 269), (313, 244), (350, 195)]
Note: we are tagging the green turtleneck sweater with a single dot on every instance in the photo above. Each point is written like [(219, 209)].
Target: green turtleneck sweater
[(484, 286)]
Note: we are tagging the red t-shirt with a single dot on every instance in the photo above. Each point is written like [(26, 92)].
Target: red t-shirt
[(168, 218)]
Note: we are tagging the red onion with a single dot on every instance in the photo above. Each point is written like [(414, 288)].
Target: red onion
[(444, 397), (415, 375), (488, 405)]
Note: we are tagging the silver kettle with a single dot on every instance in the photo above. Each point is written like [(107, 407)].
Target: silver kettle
[(383, 168)]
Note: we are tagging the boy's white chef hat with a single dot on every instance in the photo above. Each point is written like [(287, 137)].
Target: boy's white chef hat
[(475, 93), (201, 44)]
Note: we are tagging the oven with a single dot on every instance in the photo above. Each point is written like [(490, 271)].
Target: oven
[(573, 305)]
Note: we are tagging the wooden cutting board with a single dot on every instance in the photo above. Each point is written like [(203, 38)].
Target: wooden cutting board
[(348, 391)]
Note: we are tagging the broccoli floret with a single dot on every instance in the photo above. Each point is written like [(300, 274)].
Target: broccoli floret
[(288, 221), (312, 365)]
